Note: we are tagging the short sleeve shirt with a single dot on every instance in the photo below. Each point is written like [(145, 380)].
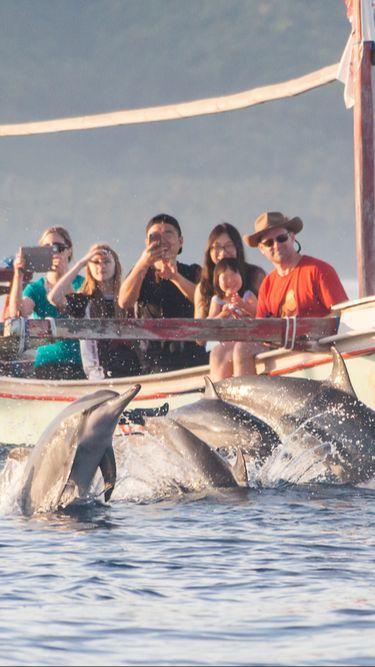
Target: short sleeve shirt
[(64, 351), (309, 290)]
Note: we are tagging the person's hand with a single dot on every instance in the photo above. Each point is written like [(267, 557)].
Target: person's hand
[(19, 264), (168, 270), (226, 311), (151, 254)]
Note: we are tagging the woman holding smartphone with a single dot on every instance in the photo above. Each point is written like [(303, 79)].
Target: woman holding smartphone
[(60, 360)]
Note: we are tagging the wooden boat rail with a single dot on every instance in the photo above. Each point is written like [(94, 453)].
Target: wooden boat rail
[(19, 334)]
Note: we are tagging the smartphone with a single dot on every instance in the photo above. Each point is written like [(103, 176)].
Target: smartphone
[(155, 236), (37, 258)]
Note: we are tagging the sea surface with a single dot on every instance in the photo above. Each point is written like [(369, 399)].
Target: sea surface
[(283, 575)]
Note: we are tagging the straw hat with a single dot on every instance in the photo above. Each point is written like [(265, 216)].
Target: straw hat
[(267, 221)]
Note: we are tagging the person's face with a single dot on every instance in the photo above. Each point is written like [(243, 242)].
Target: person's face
[(277, 244), (62, 251), (230, 282), (223, 246), (102, 266), (171, 241)]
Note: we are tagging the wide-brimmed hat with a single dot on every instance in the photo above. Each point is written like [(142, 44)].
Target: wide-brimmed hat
[(267, 221)]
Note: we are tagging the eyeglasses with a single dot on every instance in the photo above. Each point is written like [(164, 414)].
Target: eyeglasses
[(281, 238), (227, 247), (58, 247)]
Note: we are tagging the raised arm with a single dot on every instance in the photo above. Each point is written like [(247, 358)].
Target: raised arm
[(131, 285), (19, 305), (65, 285)]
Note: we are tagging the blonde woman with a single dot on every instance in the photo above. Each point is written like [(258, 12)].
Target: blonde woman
[(60, 360), (97, 298)]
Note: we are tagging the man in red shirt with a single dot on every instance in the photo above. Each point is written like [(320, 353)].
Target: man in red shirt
[(299, 285)]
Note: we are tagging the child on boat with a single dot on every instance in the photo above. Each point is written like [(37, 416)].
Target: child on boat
[(230, 299)]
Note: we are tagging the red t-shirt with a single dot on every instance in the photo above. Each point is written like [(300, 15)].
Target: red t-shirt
[(309, 290)]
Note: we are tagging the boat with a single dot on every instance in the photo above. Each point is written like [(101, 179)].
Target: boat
[(299, 347)]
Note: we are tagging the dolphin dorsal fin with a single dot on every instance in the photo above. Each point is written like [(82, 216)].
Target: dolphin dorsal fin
[(210, 391), (339, 377), (239, 469)]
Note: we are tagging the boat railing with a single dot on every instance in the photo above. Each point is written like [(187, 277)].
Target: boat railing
[(17, 335)]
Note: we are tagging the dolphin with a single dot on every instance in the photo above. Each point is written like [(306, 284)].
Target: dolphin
[(205, 460), (324, 419), (224, 425), (63, 463)]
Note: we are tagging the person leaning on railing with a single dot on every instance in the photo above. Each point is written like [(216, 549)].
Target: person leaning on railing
[(160, 286), (299, 285), (60, 360)]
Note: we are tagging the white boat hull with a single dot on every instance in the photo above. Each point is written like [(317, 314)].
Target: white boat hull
[(27, 406)]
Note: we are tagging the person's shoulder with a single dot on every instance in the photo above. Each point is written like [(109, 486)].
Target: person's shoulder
[(191, 271), (78, 281), (316, 262)]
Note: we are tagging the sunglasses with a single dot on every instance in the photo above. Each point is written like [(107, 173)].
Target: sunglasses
[(58, 247), (281, 238)]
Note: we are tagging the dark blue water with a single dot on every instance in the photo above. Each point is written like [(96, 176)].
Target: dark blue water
[(279, 576)]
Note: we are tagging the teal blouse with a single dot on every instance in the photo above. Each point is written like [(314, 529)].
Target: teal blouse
[(64, 351)]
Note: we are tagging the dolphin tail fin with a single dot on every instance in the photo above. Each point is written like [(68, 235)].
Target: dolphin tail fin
[(239, 469), (107, 466), (210, 391), (339, 377)]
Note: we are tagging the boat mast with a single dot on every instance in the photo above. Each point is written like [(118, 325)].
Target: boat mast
[(364, 180)]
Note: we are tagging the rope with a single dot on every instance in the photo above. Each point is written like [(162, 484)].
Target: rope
[(53, 326), (287, 345), (22, 333)]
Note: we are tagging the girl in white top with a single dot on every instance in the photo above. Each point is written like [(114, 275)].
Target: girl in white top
[(227, 300)]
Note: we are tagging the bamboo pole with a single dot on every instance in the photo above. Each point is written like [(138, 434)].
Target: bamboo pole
[(201, 107)]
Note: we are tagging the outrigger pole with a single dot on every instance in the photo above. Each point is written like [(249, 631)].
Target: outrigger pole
[(363, 57)]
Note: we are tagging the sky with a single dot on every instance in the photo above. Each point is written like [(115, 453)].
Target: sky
[(77, 57)]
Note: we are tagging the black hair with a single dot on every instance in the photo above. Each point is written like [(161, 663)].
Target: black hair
[(166, 219), (230, 263)]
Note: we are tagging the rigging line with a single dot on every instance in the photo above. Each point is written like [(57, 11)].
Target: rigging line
[(201, 107)]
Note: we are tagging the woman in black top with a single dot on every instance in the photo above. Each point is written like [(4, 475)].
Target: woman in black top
[(224, 241), (98, 298)]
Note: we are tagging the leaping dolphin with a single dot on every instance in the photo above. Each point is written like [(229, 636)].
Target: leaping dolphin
[(323, 418), (204, 459), (224, 425), (63, 463)]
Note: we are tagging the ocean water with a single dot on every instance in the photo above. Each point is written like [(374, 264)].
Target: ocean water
[(282, 575)]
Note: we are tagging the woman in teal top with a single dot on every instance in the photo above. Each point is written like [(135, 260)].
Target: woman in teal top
[(60, 360)]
